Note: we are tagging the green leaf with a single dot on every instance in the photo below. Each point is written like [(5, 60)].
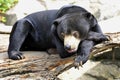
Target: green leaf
[(7, 4), (3, 19)]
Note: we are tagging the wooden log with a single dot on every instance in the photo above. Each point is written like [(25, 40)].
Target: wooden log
[(51, 65), (114, 41)]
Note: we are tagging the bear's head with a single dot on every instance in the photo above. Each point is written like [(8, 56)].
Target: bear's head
[(72, 28)]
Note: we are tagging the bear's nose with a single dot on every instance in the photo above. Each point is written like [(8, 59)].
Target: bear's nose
[(67, 47)]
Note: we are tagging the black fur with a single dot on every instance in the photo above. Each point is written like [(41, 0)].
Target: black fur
[(41, 31)]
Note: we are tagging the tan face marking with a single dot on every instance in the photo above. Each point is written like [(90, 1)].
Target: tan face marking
[(73, 41)]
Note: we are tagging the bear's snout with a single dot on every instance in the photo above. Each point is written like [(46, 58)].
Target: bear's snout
[(71, 43), (67, 47)]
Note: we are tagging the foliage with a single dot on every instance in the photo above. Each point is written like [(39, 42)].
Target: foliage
[(6, 5), (3, 19)]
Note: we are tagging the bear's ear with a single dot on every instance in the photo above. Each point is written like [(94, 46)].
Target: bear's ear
[(57, 21), (91, 19), (88, 15), (55, 24)]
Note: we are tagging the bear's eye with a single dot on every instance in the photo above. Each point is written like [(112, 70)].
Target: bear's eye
[(62, 35), (76, 34)]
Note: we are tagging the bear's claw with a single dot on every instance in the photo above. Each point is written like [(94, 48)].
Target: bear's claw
[(78, 64), (16, 56)]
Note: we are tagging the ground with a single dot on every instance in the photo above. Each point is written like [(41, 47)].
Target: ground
[(35, 67)]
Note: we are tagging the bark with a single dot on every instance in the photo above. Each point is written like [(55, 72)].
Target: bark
[(50, 66)]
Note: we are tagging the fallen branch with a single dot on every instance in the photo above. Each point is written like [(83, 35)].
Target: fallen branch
[(47, 66), (66, 64), (3, 32)]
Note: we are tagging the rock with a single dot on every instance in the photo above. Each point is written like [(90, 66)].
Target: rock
[(10, 19), (4, 41), (102, 9), (25, 7), (106, 70), (111, 25), (5, 28)]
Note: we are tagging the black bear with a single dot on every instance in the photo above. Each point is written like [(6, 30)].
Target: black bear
[(70, 30)]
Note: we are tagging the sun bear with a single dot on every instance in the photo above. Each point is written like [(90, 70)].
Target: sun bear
[(71, 30)]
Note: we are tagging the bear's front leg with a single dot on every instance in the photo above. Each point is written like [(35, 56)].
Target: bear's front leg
[(95, 36), (83, 52), (19, 32)]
